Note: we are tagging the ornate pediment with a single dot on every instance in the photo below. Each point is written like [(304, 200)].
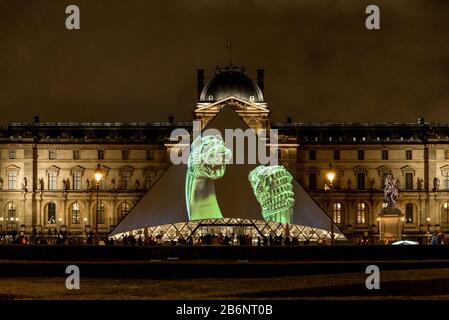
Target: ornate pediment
[(444, 169), (382, 170), (407, 169), (151, 169), (360, 169), (127, 169), (12, 167), (53, 169), (77, 169)]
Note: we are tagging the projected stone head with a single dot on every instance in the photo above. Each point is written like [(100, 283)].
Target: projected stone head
[(272, 186), (208, 157), (207, 163)]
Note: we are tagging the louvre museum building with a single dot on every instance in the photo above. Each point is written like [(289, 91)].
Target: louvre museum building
[(116, 178)]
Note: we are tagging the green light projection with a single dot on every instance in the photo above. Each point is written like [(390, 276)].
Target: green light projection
[(207, 162), (272, 186)]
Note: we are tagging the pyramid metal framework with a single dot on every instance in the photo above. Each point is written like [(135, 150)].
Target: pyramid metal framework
[(172, 232)]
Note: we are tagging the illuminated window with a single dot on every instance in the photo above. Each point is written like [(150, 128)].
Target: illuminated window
[(77, 181), (12, 153), (11, 211), (12, 180), (150, 175), (125, 177), (125, 154), (408, 154), (100, 154), (361, 212), (52, 154), (76, 215), (124, 209), (101, 213), (445, 212), (409, 213), (337, 210), (52, 180), (51, 213), (76, 155)]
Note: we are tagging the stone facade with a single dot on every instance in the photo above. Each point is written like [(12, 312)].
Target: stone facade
[(361, 154), (47, 172)]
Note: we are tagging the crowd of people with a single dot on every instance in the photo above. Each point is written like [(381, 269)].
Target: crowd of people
[(66, 238), (52, 237), (437, 238)]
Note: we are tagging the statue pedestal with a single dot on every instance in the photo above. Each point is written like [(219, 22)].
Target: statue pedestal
[(390, 224)]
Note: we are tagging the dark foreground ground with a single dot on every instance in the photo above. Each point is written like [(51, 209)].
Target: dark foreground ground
[(410, 284), (224, 273)]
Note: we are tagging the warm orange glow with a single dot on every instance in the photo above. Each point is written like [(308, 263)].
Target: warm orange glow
[(330, 176), (98, 174)]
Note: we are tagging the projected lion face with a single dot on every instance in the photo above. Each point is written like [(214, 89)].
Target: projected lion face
[(208, 157), (272, 186)]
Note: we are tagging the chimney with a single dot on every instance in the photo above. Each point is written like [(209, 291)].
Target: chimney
[(199, 81), (289, 119), (171, 118), (260, 79), (36, 118)]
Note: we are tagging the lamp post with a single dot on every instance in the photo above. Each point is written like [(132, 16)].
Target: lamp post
[(402, 228), (428, 230), (98, 176), (329, 186)]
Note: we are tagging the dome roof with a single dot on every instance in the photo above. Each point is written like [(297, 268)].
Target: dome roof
[(231, 81)]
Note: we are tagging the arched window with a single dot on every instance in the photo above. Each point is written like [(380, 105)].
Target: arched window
[(361, 212), (124, 209), (338, 212), (51, 213), (76, 214), (409, 213), (445, 212), (11, 211), (101, 213)]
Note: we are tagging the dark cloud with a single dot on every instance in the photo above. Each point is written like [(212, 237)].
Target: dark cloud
[(136, 60)]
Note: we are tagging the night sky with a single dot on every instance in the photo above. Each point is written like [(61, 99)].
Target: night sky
[(136, 60)]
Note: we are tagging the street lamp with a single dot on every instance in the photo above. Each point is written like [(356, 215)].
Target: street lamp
[(98, 176), (329, 186)]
